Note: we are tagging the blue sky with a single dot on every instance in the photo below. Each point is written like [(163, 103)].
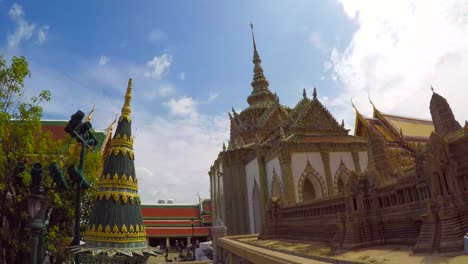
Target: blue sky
[(191, 61)]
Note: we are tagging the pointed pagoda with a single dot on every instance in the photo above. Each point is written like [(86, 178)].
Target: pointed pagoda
[(115, 229), (264, 111), (261, 94)]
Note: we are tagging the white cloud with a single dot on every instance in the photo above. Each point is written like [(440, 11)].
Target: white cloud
[(177, 154), (156, 36), (166, 89), (172, 154), (103, 60), (25, 30), (399, 49), (182, 76), (212, 96), (316, 40), (184, 106), (42, 34), (159, 66)]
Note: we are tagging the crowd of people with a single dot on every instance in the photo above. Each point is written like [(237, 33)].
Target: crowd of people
[(187, 252)]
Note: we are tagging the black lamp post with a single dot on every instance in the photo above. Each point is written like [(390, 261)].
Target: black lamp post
[(191, 240), (81, 132), (36, 207)]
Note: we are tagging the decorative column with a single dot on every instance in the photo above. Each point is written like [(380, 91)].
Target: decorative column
[(357, 165), (168, 243), (188, 241), (218, 230), (263, 182), (326, 164), (288, 181)]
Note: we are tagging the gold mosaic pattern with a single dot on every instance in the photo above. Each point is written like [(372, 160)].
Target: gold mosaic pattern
[(115, 234), (126, 182), (122, 144), (125, 196)]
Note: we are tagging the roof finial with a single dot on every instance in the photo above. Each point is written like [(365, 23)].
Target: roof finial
[(315, 93), (253, 36), (126, 109), (342, 122), (90, 113), (432, 88), (304, 94)]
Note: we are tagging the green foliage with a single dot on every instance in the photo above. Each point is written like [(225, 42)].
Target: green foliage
[(22, 139)]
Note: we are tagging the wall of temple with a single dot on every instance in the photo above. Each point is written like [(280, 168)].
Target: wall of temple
[(253, 179), (220, 191), (363, 158), (298, 164), (337, 157), (270, 165)]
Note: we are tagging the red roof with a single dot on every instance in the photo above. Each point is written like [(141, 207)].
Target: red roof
[(196, 222), (177, 232), (170, 212)]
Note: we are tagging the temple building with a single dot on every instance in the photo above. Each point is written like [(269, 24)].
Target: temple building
[(296, 173), (301, 153), (187, 223)]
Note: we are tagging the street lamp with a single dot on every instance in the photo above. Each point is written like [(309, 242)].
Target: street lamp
[(81, 132), (191, 240), (36, 206)]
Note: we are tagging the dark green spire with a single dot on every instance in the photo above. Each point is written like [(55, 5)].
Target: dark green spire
[(115, 226)]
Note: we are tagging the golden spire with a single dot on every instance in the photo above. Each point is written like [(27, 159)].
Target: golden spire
[(126, 109), (88, 118), (260, 94), (253, 37)]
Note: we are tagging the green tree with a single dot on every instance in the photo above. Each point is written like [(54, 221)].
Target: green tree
[(22, 139)]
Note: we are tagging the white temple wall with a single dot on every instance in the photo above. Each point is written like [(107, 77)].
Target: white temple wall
[(363, 159), (337, 157), (298, 164), (220, 191), (273, 163), (252, 174)]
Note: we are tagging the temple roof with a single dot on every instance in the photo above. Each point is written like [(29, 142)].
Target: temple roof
[(312, 116), (411, 127), (394, 128), (325, 139)]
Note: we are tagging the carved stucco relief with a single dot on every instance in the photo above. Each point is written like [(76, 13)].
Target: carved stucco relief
[(310, 174)]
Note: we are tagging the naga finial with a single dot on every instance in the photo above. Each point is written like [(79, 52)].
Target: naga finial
[(224, 147), (342, 122), (90, 113), (315, 93), (304, 93)]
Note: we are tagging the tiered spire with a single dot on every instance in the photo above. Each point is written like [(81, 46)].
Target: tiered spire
[(442, 115), (115, 226), (260, 94)]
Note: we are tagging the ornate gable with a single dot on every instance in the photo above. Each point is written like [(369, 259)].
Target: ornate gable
[(316, 118)]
